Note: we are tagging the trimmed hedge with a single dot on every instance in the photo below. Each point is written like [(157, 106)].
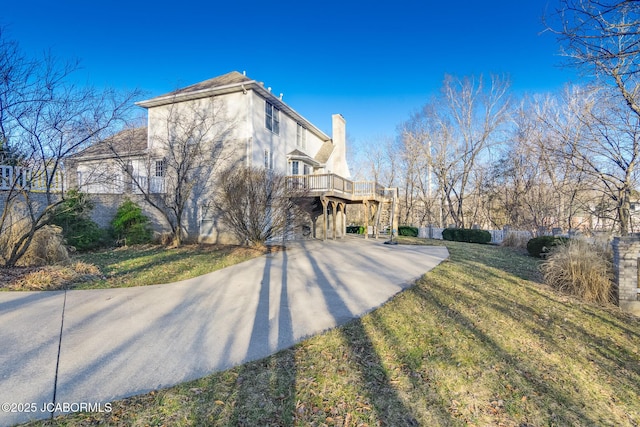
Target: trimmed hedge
[(543, 244), (405, 230), (355, 229), (466, 235)]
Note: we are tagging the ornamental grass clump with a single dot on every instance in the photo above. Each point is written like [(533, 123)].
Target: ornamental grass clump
[(516, 240), (582, 269), (46, 247)]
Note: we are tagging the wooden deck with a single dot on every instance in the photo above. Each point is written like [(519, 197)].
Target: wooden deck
[(332, 185), (335, 193)]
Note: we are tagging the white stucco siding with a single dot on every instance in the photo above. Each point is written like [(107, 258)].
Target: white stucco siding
[(238, 106), (278, 145), (313, 144), (221, 117), (241, 117), (264, 140)]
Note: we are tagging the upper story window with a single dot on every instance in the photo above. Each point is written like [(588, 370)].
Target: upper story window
[(272, 118), (161, 166), (301, 137)]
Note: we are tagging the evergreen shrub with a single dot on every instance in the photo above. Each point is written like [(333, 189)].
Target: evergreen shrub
[(541, 245), (466, 235), (405, 230), (73, 216), (130, 225)]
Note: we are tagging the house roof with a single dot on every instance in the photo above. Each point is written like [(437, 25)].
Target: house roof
[(126, 143), (299, 155), (229, 83), (232, 78), (226, 83), (325, 152)]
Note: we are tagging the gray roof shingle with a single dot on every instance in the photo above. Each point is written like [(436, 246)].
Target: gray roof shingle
[(325, 152), (231, 78), (126, 142)]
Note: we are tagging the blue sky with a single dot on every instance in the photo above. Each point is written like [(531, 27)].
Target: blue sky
[(373, 62)]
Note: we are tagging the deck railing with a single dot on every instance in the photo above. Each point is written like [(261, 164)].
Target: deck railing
[(23, 178), (336, 183)]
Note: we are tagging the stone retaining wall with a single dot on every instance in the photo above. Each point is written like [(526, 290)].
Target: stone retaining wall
[(105, 208)]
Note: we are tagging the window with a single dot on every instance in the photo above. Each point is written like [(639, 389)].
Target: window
[(276, 121), (268, 159), (161, 167), (272, 118), (307, 169), (301, 137), (268, 114), (295, 168)]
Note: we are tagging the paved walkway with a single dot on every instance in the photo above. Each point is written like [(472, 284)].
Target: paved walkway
[(96, 346)]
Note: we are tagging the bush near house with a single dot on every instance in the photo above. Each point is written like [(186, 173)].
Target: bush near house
[(130, 225), (405, 230), (541, 245), (466, 235), (77, 227)]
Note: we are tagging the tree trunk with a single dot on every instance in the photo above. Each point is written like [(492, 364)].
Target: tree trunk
[(624, 215)]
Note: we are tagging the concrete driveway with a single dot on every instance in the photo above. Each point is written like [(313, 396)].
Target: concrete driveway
[(80, 348)]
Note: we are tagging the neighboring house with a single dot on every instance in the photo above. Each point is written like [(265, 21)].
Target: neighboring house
[(252, 126)]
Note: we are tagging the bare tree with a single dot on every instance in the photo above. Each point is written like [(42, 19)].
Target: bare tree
[(380, 162), (455, 131), (418, 205), (184, 155), (590, 146), (610, 151), (43, 119), (517, 190), (603, 36), (258, 205), (538, 187)]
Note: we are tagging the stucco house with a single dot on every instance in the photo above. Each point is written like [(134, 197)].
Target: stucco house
[(245, 124)]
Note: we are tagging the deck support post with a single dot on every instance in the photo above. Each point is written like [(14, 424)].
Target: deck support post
[(325, 217), (365, 203), (343, 221), (334, 217)]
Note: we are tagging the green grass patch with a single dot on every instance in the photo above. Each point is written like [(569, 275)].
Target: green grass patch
[(133, 266), (477, 341), (152, 265)]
